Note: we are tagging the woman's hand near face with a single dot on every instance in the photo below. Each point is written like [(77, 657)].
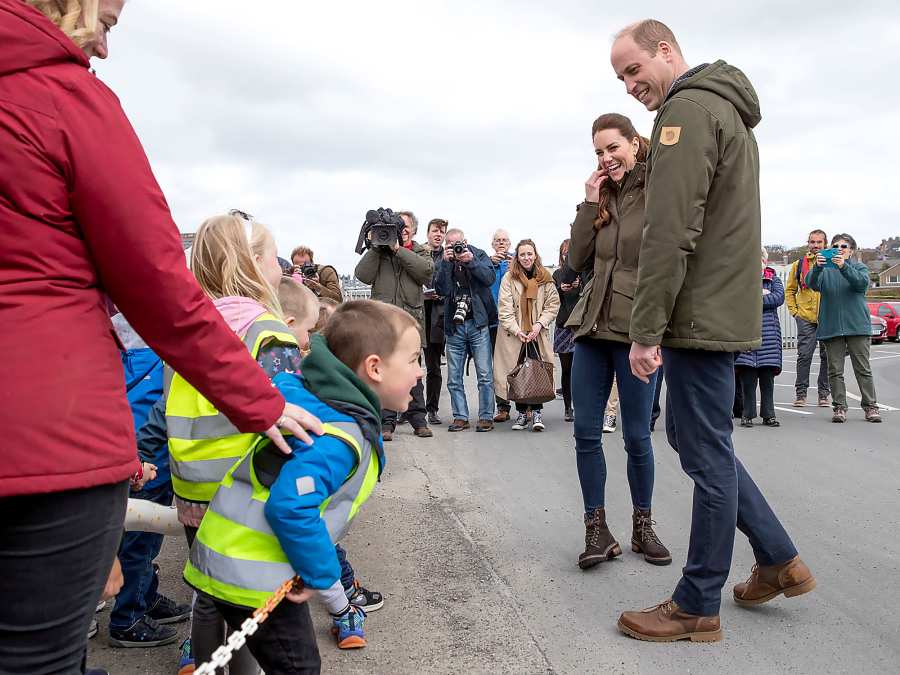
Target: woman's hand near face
[(592, 186)]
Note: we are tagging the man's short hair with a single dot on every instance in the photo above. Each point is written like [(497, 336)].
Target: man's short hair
[(647, 35), (302, 250), (326, 309), (822, 232), (296, 299), (412, 218), (455, 230), (501, 231), (360, 328), (437, 222)]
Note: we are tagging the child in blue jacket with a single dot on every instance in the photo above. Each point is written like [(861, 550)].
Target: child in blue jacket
[(275, 516)]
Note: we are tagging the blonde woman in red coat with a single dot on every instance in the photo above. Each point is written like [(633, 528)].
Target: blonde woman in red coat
[(82, 221)]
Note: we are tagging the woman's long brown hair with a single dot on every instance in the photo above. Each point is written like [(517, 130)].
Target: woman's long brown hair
[(624, 126), (518, 272)]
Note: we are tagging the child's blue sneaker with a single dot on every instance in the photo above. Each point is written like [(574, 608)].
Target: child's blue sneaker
[(186, 662), (349, 628)]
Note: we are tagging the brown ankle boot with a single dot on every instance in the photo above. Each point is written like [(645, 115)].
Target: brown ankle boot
[(599, 544), (667, 623), (644, 539), (768, 581)]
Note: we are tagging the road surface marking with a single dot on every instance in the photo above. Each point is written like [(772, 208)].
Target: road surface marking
[(792, 410), (882, 406)]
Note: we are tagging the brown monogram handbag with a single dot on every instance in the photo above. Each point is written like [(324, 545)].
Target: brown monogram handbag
[(531, 382)]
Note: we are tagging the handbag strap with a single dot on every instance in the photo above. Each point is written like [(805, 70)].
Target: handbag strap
[(523, 352)]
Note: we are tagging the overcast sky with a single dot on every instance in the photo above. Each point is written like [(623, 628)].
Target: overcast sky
[(480, 112)]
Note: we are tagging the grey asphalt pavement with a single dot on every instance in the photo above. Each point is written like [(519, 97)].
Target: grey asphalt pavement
[(473, 539)]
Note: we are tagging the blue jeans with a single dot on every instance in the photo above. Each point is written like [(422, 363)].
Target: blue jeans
[(595, 363), (463, 340), (136, 554), (700, 393)]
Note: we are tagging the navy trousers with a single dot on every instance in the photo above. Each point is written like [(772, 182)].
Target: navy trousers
[(700, 392)]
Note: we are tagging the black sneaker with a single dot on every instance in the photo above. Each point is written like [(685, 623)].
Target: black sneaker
[(361, 597), (168, 611), (144, 633), (434, 418)]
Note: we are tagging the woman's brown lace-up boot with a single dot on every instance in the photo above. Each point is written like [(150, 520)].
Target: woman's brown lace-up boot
[(644, 539), (599, 544)]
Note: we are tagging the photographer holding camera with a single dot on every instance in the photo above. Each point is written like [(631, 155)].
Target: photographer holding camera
[(320, 279), (397, 268), (463, 278)]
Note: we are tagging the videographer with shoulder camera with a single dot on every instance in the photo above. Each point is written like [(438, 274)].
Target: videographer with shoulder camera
[(322, 280), (463, 278), (397, 268)]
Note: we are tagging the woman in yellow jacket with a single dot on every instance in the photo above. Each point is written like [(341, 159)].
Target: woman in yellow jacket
[(527, 306)]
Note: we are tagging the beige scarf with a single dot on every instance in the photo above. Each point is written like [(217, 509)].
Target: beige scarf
[(529, 296)]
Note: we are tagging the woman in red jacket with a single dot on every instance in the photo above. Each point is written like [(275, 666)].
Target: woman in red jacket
[(82, 217)]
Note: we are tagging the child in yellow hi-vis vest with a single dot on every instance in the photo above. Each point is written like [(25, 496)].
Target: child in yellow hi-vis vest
[(275, 516)]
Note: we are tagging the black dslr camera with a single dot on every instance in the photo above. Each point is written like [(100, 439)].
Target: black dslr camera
[(382, 229), (458, 248), (309, 270)]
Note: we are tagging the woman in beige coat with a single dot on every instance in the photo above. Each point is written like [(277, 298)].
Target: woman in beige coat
[(527, 307)]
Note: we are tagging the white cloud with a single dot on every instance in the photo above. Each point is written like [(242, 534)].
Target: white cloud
[(308, 114)]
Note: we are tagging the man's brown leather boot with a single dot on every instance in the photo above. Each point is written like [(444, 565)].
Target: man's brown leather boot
[(599, 544), (644, 539), (768, 581), (667, 623)]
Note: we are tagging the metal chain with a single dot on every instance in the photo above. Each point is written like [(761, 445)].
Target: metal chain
[(238, 639)]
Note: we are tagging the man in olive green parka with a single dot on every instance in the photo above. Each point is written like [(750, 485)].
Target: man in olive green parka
[(697, 302)]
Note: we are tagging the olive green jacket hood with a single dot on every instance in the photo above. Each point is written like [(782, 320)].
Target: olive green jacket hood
[(698, 275), (726, 82)]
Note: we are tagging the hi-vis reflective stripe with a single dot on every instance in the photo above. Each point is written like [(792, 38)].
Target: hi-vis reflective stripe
[(200, 471), (253, 575), (341, 507), (200, 428), (265, 326)]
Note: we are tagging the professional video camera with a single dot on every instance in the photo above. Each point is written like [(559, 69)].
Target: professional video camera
[(382, 229)]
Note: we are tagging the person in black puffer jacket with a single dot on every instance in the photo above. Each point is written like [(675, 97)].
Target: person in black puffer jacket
[(763, 364)]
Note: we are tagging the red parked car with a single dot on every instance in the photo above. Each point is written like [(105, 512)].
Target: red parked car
[(890, 312)]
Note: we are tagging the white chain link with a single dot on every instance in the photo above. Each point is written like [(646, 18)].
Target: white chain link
[(223, 654)]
